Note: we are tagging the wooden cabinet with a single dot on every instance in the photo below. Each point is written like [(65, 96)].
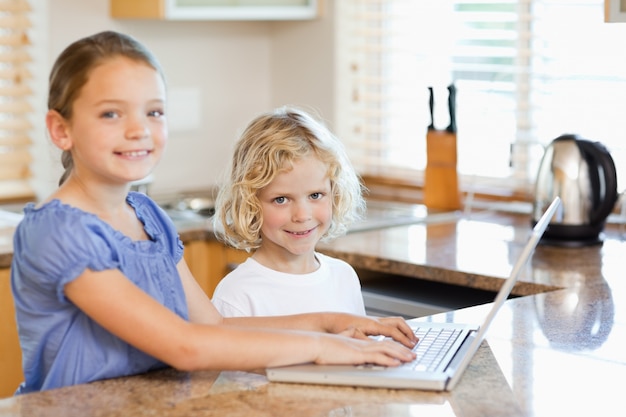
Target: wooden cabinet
[(209, 261), (215, 9), (10, 353)]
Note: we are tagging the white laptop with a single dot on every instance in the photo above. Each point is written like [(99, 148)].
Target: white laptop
[(461, 341)]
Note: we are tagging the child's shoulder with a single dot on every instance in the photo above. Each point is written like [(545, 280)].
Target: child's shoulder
[(331, 262), (62, 226), (56, 212)]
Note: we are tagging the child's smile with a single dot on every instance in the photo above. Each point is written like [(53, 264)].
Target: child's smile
[(297, 211)]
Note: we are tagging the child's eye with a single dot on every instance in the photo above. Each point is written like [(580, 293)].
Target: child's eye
[(280, 200), (156, 113), (317, 196), (109, 114)]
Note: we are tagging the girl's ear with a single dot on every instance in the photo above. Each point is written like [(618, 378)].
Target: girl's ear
[(58, 130)]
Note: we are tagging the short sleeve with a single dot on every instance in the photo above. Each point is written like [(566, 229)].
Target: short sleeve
[(54, 245)]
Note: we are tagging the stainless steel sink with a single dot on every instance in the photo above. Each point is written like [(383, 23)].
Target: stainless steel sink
[(381, 214)]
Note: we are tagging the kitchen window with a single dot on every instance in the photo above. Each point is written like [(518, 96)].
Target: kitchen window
[(15, 109), (526, 71)]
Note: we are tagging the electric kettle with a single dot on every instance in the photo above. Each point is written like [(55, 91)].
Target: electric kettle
[(582, 173)]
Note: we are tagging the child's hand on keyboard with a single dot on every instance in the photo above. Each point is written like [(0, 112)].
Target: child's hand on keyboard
[(393, 327)]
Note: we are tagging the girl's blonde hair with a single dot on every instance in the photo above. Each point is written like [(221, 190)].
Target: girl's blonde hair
[(270, 145)]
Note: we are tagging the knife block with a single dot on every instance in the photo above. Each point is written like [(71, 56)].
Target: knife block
[(441, 186)]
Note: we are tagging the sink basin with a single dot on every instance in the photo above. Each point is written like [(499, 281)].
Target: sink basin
[(201, 206), (190, 211), (388, 214)]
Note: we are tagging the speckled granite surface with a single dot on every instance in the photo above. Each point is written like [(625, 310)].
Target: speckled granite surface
[(240, 394), (553, 353)]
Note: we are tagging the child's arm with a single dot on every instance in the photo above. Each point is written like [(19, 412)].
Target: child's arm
[(201, 310), (358, 327), (119, 306)]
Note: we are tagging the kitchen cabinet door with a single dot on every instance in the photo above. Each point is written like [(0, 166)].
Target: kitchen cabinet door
[(215, 9), (209, 261), (10, 353)]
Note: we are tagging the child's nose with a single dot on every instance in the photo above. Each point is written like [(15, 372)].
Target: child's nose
[(137, 128), (301, 212)]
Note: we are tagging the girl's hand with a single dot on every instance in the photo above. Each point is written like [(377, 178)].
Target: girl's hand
[(359, 327), (338, 350)]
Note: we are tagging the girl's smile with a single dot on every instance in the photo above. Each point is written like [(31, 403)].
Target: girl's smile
[(119, 112), (134, 154)]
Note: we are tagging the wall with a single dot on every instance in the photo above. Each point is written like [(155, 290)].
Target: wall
[(234, 69), (303, 63)]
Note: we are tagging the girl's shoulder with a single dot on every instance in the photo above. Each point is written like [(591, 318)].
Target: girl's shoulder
[(55, 217), (61, 239), (55, 214), (60, 223)]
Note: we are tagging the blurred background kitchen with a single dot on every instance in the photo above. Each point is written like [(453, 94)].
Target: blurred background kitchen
[(526, 71)]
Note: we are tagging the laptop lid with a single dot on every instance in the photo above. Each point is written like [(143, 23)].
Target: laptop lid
[(505, 290)]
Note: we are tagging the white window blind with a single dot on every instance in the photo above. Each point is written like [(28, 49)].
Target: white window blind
[(15, 91), (526, 71)]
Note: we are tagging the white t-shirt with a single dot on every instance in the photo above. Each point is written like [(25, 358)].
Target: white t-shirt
[(255, 290)]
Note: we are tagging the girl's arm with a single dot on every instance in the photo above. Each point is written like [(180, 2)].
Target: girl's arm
[(122, 308), (201, 310)]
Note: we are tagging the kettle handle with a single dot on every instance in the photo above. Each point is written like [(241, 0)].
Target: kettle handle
[(596, 154)]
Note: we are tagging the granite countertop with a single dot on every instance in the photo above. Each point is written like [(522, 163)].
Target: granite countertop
[(555, 350)]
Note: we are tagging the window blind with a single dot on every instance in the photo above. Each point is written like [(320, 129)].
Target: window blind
[(15, 92), (526, 71)]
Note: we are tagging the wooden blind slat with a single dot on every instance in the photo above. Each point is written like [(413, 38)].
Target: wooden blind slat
[(15, 56), (14, 39), (16, 125), (16, 74), (17, 107), (12, 172), (15, 90), (16, 21), (16, 190), (16, 155), (14, 140), (14, 6), (14, 163)]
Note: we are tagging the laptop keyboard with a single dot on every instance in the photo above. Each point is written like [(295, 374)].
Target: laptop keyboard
[(432, 347)]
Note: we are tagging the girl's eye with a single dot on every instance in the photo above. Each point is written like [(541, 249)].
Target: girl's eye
[(316, 196), (156, 113), (109, 114), (280, 200)]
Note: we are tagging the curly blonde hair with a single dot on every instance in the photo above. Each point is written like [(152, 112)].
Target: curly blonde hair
[(269, 145)]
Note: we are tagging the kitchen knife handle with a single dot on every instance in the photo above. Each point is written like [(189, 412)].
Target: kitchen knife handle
[(452, 108), (431, 105)]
